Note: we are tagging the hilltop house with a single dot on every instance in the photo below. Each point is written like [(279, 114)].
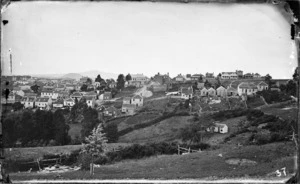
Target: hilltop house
[(126, 100), (186, 92), (138, 80), (196, 77), (256, 75), (248, 76), (229, 75), (188, 77), (262, 86), (239, 73), (221, 91), (246, 88), (131, 104), (179, 78), (209, 75)]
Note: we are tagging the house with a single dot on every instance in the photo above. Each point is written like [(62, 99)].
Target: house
[(25, 87), (69, 102), (196, 77), (204, 92), (209, 75), (221, 91), (248, 76), (186, 92), (9, 100), (136, 83), (90, 101), (63, 94), (278, 82), (275, 89), (179, 78), (43, 102), (126, 100), (90, 93), (256, 75), (162, 79), (107, 96), (47, 93), (111, 111), (218, 127), (239, 73), (28, 102), (188, 77), (60, 87), (231, 91), (128, 108), (247, 88), (157, 86), (139, 77), (200, 85), (55, 95), (262, 86), (58, 104), (137, 100), (96, 84), (112, 84), (211, 92), (18, 91), (77, 96), (229, 75)]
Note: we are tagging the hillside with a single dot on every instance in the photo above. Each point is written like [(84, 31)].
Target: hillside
[(72, 76), (166, 130)]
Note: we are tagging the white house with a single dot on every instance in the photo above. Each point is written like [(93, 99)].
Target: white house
[(140, 78), (246, 88), (28, 102), (229, 75), (211, 91), (90, 101), (69, 102), (58, 104), (137, 100), (46, 93), (43, 102), (221, 91), (262, 86), (218, 128), (204, 92), (128, 108), (231, 91), (186, 92)]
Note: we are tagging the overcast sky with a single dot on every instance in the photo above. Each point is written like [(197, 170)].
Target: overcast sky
[(146, 37)]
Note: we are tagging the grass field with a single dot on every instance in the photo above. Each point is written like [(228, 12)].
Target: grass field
[(204, 165), (137, 119), (165, 130), (287, 112)]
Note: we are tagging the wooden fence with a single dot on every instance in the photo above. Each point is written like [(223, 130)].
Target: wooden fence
[(186, 150)]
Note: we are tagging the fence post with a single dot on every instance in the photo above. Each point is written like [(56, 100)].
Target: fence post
[(178, 149), (37, 160), (189, 150)]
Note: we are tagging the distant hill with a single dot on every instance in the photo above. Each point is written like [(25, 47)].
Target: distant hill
[(72, 76), (93, 74)]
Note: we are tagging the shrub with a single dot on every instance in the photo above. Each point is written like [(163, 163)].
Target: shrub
[(101, 160), (85, 160)]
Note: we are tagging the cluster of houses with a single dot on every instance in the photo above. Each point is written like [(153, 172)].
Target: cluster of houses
[(244, 88)]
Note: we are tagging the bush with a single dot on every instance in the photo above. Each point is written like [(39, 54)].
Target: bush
[(85, 160), (101, 160)]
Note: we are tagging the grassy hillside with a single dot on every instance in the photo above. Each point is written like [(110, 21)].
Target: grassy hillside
[(203, 165), (163, 131)]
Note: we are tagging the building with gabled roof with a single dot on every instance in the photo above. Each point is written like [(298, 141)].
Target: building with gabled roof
[(247, 88), (262, 86), (107, 96), (231, 91), (69, 102), (43, 102), (137, 100), (90, 101), (221, 91), (112, 111), (76, 95), (129, 108), (186, 92)]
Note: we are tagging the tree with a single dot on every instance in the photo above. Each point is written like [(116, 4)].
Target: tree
[(291, 88), (296, 75), (207, 84), (120, 82), (83, 87), (111, 131), (90, 121), (89, 81), (17, 106), (195, 86), (128, 77), (200, 78), (35, 88), (268, 79), (98, 79), (61, 128), (96, 143)]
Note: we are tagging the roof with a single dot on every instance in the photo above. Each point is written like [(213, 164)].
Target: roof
[(221, 87), (76, 94), (47, 91), (111, 108), (248, 74), (211, 89), (40, 99), (126, 98), (197, 75), (69, 100), (231, 89), (89, 97), (262, 83), (137, 97), (187, 90), (247, 85), (220, 125), (129, 106), (138, 76)]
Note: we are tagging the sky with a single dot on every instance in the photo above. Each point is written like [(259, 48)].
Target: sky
[(146, 37)]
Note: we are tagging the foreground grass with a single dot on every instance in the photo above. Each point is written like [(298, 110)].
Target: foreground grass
[(206, 164)]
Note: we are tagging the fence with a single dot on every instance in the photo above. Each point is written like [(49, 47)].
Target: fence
[(186, 150)]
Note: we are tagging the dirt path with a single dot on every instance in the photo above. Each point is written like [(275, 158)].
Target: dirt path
[(144, 92)]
